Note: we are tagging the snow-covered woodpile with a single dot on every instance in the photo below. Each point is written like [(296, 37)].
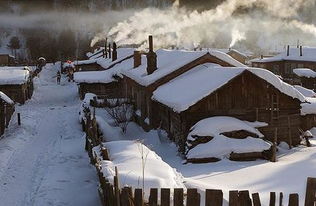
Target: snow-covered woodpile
[(220, 137), (6, 111), (17, 84)]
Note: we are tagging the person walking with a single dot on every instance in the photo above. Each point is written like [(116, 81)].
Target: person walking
[(58, 77)]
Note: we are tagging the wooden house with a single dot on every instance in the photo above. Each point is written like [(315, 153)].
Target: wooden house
[(17, 84), (107, 82), (7, 60), (6, 111), (99, 62), (245, 93), (237, 55), (307, 77), (156, 68), (284, 63)]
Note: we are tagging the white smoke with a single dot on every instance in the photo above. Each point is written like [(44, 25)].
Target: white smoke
[(251, 24)]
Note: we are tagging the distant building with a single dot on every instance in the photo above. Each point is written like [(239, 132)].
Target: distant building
[(7, 60), (284, 63), (307, 77)]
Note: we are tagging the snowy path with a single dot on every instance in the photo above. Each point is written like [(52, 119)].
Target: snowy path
[(43, 162)]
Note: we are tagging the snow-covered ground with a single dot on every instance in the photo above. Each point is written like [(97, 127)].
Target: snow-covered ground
[(43, 162), (287, 175)]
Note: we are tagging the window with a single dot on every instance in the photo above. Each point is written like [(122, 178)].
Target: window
[(274, 107)]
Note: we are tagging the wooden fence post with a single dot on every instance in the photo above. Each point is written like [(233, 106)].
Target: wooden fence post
[(153, 198), (178, 197), (256, 199), (126, 197), (233, 198), (294, 200), (105, 154), (138, 197), (193, 197), (244, 198), (310, 199), (281, 199), (272, 199), (116, 188), (213, 197), (165, 197), (19, 119)]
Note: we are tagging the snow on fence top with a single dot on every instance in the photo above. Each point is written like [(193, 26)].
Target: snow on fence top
[(169, 61), (5, 98), (221, 146), (186, 90), (13, 77), (106, 76), (308, 54), (304, 72), (127, 156)]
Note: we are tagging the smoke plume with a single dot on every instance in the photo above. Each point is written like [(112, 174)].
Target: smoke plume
[(248, 24)]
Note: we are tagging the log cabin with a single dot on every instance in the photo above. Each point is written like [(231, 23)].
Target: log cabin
[(249, 94), (6, 111), (107, 82), (307, 77), (284, 63), (17, 84), (157, 68)]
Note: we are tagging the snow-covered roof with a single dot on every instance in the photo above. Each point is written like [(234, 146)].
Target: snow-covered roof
[(306, 92), (122, 53), (13, 77), (221, 146), (309, 54), (186, 90), (105, 76), (5, 98), (169, 61), (96, 53), (309, 107), (304, 72), (66, 65)]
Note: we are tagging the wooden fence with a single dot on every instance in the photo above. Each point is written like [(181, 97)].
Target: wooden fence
[(112, 195)]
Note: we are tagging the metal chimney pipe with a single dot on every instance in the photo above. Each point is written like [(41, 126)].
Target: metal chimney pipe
[(288, 50), (301, 51), (114, 54)]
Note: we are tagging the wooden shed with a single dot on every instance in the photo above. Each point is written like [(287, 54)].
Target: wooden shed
[(144, 78), (244, 93), (6, 111), (17, 84), (7, 60)]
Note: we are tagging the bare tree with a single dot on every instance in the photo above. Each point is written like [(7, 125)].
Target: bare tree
[(121, 112)]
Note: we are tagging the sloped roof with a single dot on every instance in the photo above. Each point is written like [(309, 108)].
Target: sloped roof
[(169, 61), (309, 54), (192, 86)]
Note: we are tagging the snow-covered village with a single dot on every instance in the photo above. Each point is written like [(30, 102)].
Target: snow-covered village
[(158, 102)]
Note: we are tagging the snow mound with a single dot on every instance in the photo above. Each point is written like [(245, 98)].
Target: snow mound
[(221, 146), (127, 157)]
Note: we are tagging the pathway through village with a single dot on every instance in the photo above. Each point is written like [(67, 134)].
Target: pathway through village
[(43, 162)]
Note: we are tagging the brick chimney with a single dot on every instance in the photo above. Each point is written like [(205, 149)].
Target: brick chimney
[(288, 50), (110, 52), (151, 57), (301, 51), (137, 59), (114, 53)]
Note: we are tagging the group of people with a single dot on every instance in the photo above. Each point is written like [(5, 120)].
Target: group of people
[(70, 74)]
